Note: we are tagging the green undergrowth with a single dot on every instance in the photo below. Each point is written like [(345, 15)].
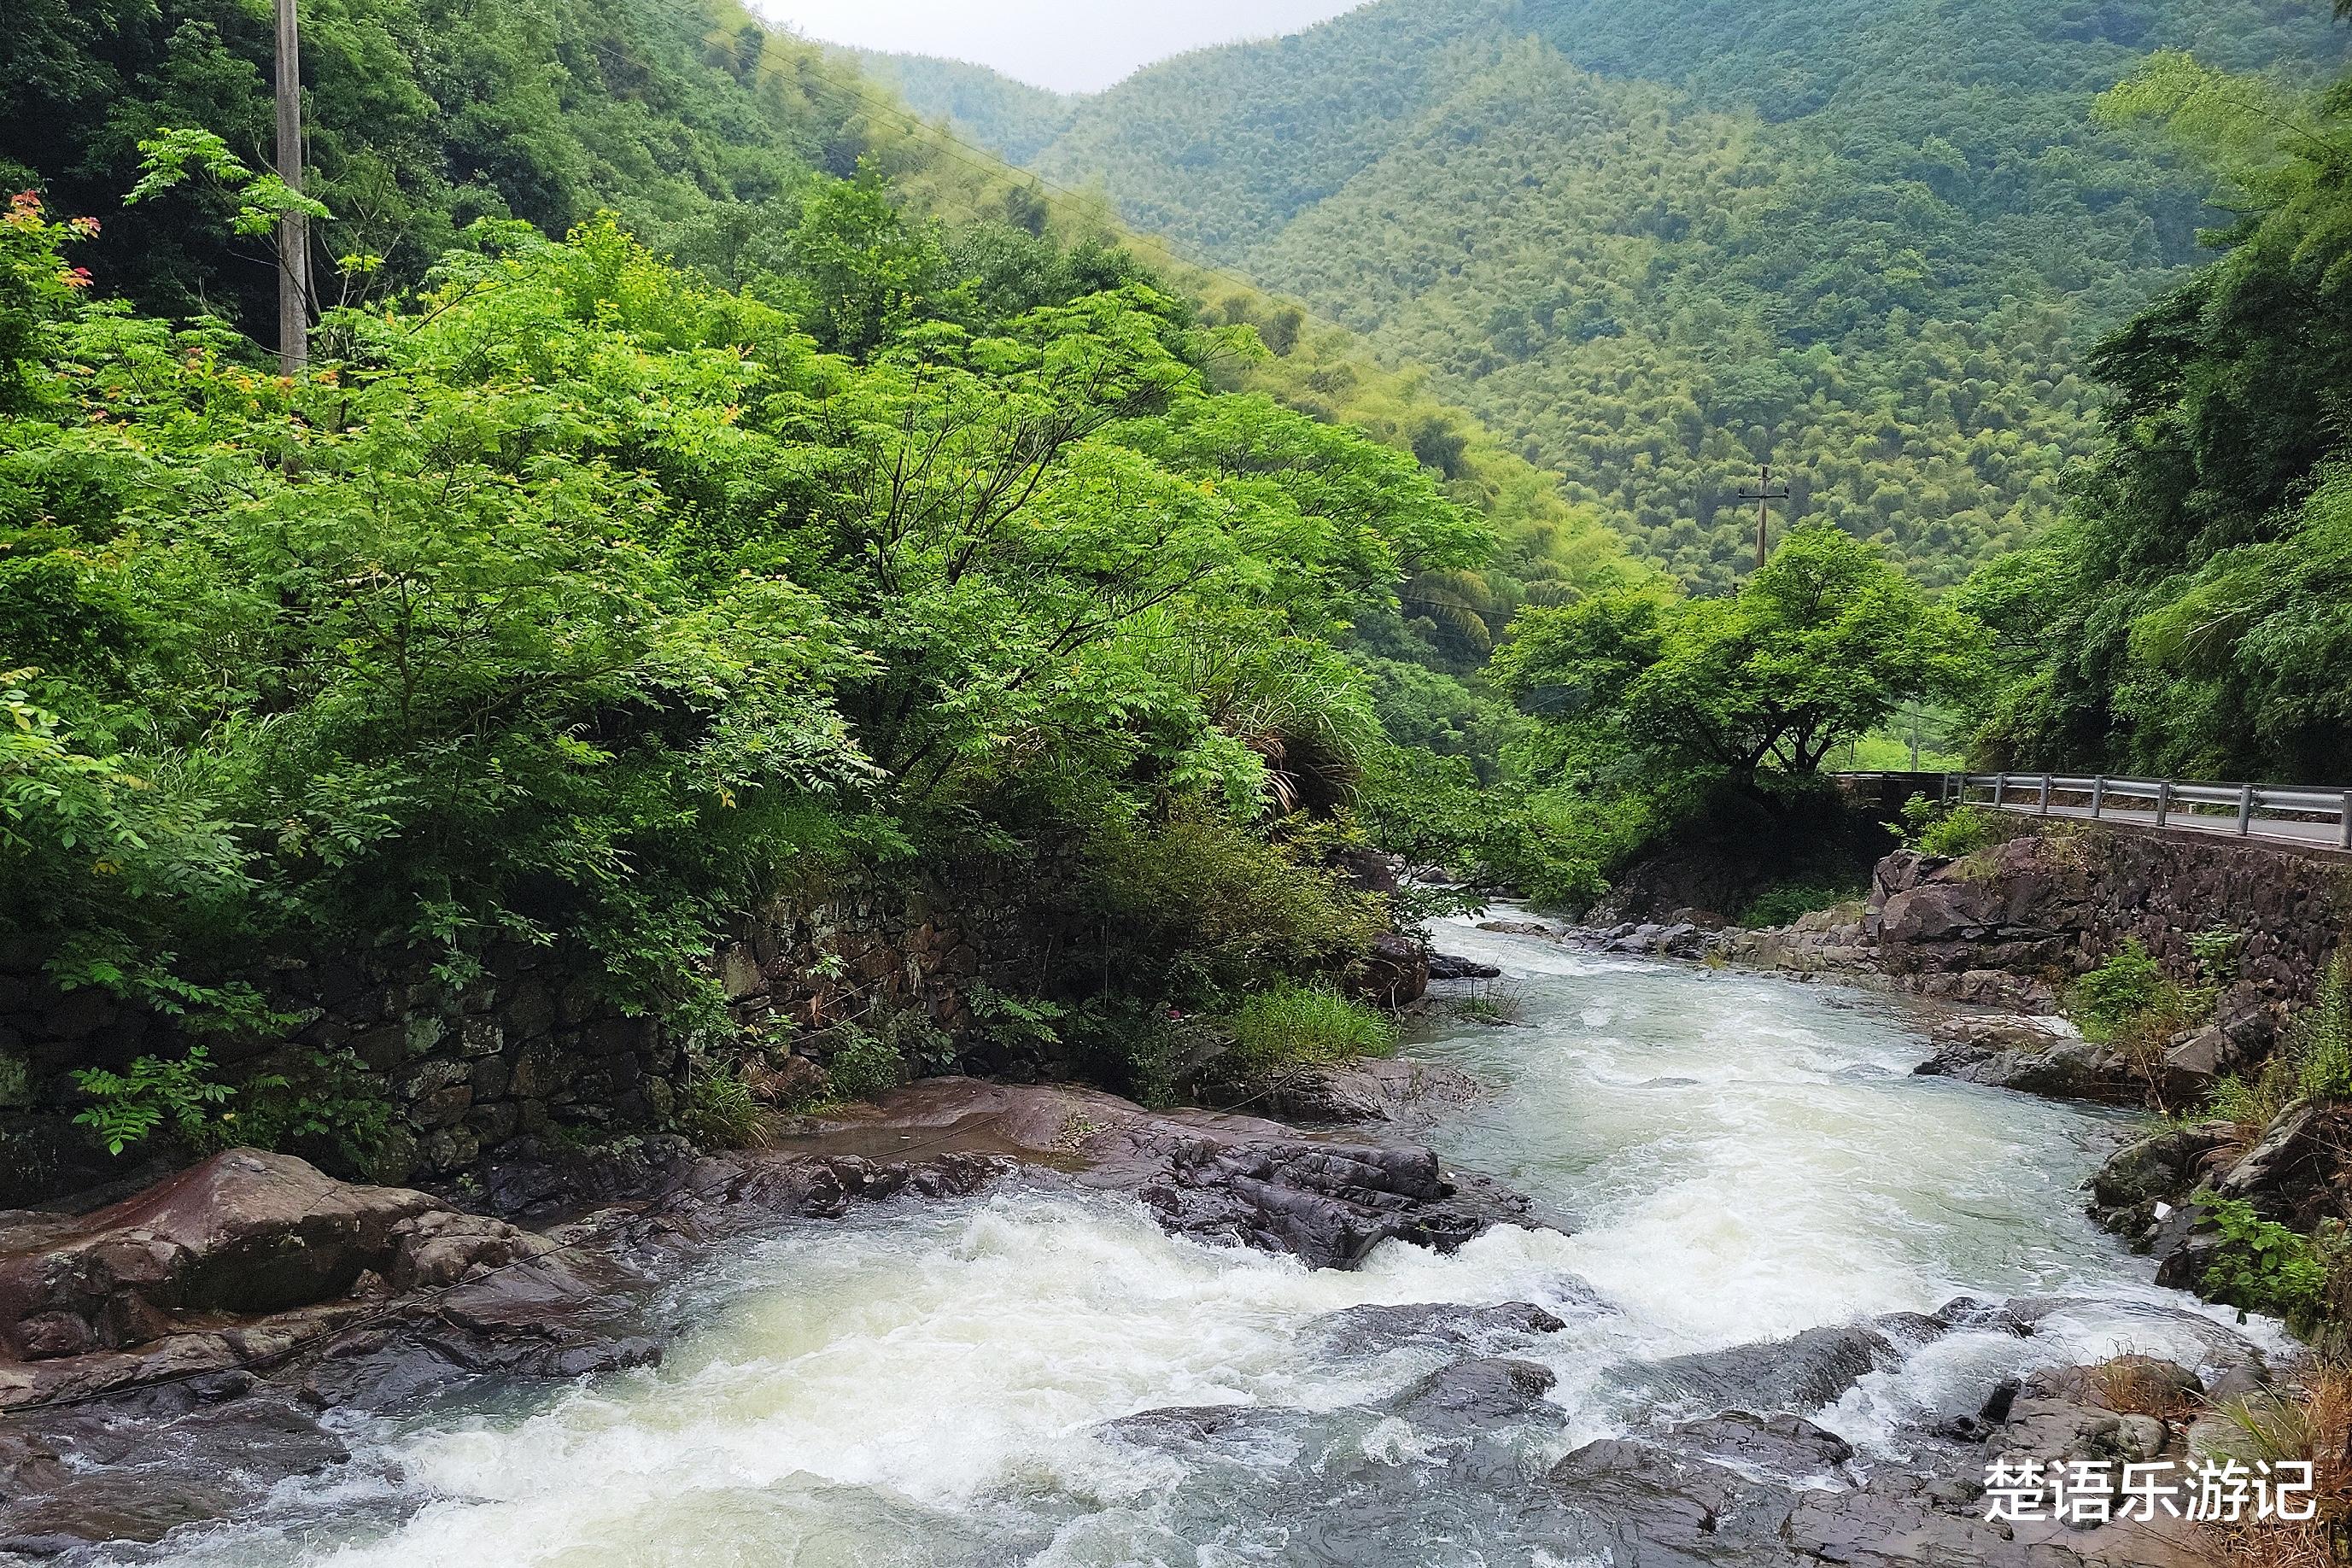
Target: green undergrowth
[(1946, 832), (1304, 1026), (2265, 1266), (1787, 905)]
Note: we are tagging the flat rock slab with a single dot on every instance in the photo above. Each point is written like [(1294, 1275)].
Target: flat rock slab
[(1397, 1089), (1803, 1372), (2032, 1055), (1373, 1330), (1214, 1175)]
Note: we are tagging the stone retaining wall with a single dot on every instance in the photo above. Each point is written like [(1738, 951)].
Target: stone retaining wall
[(530, 1049), (2058, 900)]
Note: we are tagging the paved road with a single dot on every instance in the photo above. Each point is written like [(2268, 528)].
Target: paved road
[(2312, 835)]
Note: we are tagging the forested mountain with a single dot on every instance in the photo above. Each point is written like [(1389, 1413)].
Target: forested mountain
[(1635, 237), (702, 129), (1013, 117), (422, 116)]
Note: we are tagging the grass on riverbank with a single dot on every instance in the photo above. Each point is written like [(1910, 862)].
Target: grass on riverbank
[(1305, 1026)]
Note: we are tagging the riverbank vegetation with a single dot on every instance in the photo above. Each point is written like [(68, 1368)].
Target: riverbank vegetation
[(579, 599)]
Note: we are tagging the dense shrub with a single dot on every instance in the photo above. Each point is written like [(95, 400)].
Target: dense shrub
[(2108, 999), (2264, 1267), (1199, 908), (1946, 832), (2321, 1040), (568, 603)]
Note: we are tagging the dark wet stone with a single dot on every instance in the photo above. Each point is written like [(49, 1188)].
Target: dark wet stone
[(2223, 1348), (2162, 1169), (1446, 966), (1474, 1395), (1651, 1506), (1911, 1329), (2016, 1054), (1370, 1330), (1805, 1372), (1787, 1445), (1203, 1425), (1328, 1203), (136, 1468)]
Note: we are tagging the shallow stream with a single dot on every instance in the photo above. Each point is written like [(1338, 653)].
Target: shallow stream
[(921, 1385)]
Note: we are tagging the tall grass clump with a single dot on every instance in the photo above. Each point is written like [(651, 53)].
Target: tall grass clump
[(2322, 1039), (2249, 1106), (1305, 1026), (2311, 1423), (1946, 832), (2129, 1003)]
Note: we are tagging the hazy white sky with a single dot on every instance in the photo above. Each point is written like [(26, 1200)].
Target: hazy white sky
[(1074, 46)]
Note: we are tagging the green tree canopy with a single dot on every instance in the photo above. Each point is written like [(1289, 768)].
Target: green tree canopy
[(1816, 650)]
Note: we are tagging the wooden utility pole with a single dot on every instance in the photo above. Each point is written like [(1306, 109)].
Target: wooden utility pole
[(1763, 495), (293, 228)]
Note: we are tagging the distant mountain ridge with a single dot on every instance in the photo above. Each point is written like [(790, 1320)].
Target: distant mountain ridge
[(1011, 118), (1633, 236)]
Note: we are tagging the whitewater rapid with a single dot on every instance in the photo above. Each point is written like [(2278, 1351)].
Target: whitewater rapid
[(923, 1384)]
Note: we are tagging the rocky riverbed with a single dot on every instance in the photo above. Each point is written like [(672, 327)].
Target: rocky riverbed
[(1687, 1268)]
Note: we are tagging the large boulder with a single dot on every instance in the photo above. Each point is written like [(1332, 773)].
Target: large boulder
[(1372, 1090), (2288, 1174), (2162, 1169), (1472, 1396), (1805, 1372), (1216, 1176), (1327, 1203), (2032, 1055), (245, 1233), (1395, 974)]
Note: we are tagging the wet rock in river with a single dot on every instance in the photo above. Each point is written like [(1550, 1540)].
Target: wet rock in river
[(2030, 1054), (1656, 1499), (139, 1466), (1787, 1446), (1472, 1396), (245, 1232), (1447, 966), (1222, 1426), (1372, 1330), (1327, 1203), (2163, 1169), (1518, 928), (1212, 1175), (1349, 1093), (1805, 1372)]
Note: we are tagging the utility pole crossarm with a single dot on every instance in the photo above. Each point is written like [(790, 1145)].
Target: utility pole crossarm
[(1765, 493)]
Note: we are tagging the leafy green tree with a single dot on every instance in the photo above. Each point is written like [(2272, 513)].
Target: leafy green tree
[(1816, 650)]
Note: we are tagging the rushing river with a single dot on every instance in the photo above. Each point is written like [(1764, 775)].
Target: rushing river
[(921, 1384)]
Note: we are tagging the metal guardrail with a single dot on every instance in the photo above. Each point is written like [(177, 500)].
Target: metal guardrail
[(2299, 816)]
